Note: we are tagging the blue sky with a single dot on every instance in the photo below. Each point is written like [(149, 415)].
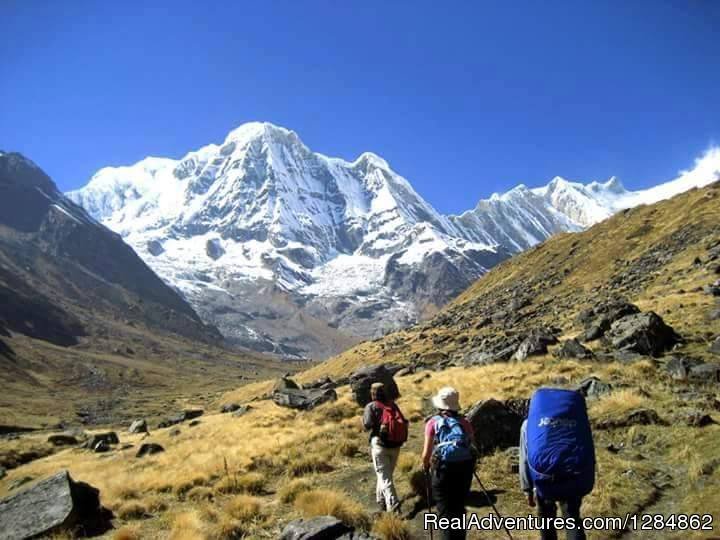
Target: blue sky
[(462, 98)]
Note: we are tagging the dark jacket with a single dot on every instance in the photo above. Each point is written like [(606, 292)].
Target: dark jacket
[(371, 419)]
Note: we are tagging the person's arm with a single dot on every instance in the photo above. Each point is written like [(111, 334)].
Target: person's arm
[(525, 479), (428, 444), (368, 418)]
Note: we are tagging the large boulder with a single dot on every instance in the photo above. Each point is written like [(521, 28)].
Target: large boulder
[(598, 319), (53, 505), (363, 379), (103, 440), (496, 424), (642, 333), (536, 343), (317, 528), (636, 417), (303, 399), (572, 348)]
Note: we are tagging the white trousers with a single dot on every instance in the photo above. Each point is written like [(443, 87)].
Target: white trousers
[(384, 461)]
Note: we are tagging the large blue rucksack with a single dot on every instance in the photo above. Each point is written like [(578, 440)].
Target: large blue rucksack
[(452, 443), (561, 454)]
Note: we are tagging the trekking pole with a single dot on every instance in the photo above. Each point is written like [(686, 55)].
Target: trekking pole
[(428, 494), (487, 495)]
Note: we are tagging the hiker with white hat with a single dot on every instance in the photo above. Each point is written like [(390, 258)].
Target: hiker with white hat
[(448, 455)]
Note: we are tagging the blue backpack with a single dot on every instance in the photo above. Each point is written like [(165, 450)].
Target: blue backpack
[(561, 454), (452, 443)]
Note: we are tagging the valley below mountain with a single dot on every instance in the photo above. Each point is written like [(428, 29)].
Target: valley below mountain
[(626, 312), (296, 254)]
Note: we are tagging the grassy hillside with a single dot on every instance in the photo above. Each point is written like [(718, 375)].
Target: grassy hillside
[(233, 477)]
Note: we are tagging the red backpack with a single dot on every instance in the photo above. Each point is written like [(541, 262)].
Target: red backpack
[(393, 425)]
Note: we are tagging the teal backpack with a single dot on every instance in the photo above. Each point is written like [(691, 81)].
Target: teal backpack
[(452, 443)]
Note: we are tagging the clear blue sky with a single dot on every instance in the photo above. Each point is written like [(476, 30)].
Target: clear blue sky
[(463, 98)]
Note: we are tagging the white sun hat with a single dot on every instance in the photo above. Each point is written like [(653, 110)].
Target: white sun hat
[(447, 399)]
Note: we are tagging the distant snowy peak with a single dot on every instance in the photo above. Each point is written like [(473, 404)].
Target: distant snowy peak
[(348, 244)]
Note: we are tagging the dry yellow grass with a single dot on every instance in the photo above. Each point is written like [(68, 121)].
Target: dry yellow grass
[(289, 492), (127, 532), (187, 526), (325, 502), (617, 403), (391, 527)]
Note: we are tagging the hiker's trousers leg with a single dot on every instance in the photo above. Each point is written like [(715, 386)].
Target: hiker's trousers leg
[(547, 510), (384, 461), (450, 488), (571, 509)]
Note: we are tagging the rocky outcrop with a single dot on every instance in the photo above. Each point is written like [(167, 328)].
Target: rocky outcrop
[(496, 424), (53, 505), (598, 319), (572, 348), (363, 379), (536, 343), (642, 333), (593, 388), (304, 400)]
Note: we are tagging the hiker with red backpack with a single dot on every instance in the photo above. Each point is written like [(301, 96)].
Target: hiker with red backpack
[(449, 459), (388, 431), (557, 458)]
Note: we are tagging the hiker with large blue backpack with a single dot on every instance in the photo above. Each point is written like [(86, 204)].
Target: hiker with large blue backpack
[(557, 458), (449, 458)]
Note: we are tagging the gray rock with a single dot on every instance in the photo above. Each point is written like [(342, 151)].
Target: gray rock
[(361, 380), (715, 347), (572, 348), (181, 417), (318, 528), (3, 473), (593, 387), (598, 319), (55, 504), (101, 447), (705, 373), (642, 333), (678, 367), (107, 438), (495, 425), (303, 399), (62, 439), (148, 449), (241, 411), (229, 407), (139, 426)]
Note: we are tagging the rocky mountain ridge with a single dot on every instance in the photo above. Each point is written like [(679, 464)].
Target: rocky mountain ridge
[(293, 252)]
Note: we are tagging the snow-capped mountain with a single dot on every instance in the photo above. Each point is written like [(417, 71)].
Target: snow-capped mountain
[(290, 251)]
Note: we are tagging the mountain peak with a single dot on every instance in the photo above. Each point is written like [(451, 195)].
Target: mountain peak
[(253, 130)]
